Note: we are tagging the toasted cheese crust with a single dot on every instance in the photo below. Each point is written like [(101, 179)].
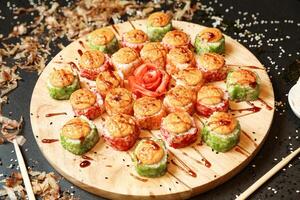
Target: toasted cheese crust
[(125, 55), (148, 152), (82, 98), (92, 59), (243, 76), (158, 19), (189, 77), (135, 36), (180, 55), (222, 123), (211, 61), (176, 38), (210, 35), (177, 122), (154, 52), (76, 128), (101, 36), (180, 96), (210, 95), (120, 125), (107, 80), (118, 98), (147, 106), (61, 78)]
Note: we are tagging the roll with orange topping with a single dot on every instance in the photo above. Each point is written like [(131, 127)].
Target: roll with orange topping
[(154, 53), (119, 101), (108, 80), (176, 38), (158, 24), (134, 39), (190, 78), (179, 58)]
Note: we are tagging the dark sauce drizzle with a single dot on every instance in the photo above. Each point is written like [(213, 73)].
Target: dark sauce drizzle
[(80, 52), (86, 157), (131, 24), (55, 114), (81, 43), (114, 27), (265, 104), (85, 163), (184, 166), (138, 178), (248, 136), (245, 66), (206, 162), (48, 141)]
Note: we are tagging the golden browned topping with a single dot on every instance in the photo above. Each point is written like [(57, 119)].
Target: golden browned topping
[(210, 35), (125, 55), (190, 76), (211, 61), (154, 52), (180, 96), (222, 122), (61, 78), (210, 95), (243, 76), (92, 59), (177, 122), (149, 152), (82, 98), (118, 98), (107, 80), (101, 36), (147, 106), (158, 19), (180, 55), (176, 38), (135, 36), (76, 129), (120, 125)]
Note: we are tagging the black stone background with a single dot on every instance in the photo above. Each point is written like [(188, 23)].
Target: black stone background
[(284, 126)]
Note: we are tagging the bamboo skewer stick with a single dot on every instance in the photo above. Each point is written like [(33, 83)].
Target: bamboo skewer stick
[(268, 175)]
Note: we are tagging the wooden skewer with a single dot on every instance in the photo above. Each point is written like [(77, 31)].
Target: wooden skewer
[(24, 172), (268, 175)]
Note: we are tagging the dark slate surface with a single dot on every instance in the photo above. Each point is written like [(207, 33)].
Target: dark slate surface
[(284, 133)]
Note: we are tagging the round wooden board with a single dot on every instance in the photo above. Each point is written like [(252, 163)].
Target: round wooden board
[(111, 173)]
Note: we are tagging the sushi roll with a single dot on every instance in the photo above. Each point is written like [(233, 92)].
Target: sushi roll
[(176, 38), (179, 129), (158, 24), (119, 100), (149, 112), (221, 131), (134, 39), (189, 78), (211, 99), (79, 135), (87, 103), (242, 85), (108, 80), (61, 83), (154, 53), (180, 98), (212, 66), (125, 60), (150, 158), (103, 39), (178, 59), (210, 40), (120, 131), (92, 62)]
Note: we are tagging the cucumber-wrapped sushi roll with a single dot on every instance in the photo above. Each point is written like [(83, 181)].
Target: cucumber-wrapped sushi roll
[(134, 39), (87, 103), (210, 40), (189, 78), (61, 83), (179, 129), (79, 135), (178, 59), (180, 98), (212, 66), (125, 60), (92, 62), (210, 99), (242, 85), (103, 39), (108, 80), (120, 131), (176, 38), (158, 24), (154, 53), (221, 132), (119, 100), (149, 112), (150, 158)]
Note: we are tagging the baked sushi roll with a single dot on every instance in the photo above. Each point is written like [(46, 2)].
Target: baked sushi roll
[(221, 131), (87, 103), (120, 131), (211, 99), (242, 85), (149, 112), (154, 53), (134, 39), (176, 38), (180, 98), (189, 78), (119, 100), (125, 60), (212, 66), (79, 135), (108, 80), (158, 24), (178, 59), (210, 40), (150, 158), (62, 83), (179, 129), (103, 39), (92, 62)]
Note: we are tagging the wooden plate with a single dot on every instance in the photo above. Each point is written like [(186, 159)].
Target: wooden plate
[(191, 170)]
